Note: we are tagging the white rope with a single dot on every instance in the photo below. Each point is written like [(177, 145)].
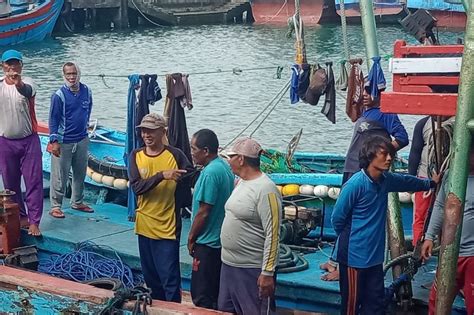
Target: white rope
[(144, 16), (344, 30), (276, 14)]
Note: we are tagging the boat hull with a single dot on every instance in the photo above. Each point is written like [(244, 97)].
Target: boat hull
[(277, 12), (31, 26), (448, 15), (385, 13)]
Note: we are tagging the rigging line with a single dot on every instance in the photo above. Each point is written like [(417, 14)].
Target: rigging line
[(144, 16), (234, 71), (287, 87), (257, 116), (344, 30), (276, 14)]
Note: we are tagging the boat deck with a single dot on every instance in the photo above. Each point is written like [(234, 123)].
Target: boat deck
[(109, 226)]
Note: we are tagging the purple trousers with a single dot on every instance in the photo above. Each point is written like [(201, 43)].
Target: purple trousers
[(22, 157)]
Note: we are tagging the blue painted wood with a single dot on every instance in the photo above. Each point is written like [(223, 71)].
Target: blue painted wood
[(24, 26)]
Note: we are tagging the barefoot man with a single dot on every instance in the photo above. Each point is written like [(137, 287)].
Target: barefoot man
[(20, 149)]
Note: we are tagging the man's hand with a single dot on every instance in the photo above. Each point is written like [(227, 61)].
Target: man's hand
[(56, 149), (191, 244), (173, 174), (436, 177), (266, 286), (426, 249)]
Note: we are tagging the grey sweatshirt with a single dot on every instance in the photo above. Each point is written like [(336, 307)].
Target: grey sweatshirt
[(467, 237)]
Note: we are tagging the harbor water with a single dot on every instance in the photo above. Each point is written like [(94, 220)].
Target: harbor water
[(224, 102)]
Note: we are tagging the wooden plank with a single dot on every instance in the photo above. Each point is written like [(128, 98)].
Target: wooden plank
[(13, 277), (425, 65), (419, 103), (429, 80)]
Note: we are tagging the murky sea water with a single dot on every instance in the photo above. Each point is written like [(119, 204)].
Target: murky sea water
[(223, 102)]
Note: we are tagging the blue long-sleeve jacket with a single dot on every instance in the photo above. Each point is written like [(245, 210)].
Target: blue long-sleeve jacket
[(69, 114), (360, 213), (391, 122)]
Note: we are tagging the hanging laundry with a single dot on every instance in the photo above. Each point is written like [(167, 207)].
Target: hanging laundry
[(329, 107), (295, 73), (342, 80), (355, 90), (153, 91), (317, 84), (303, 81), (146, 97), (376, 81), (187, 100)]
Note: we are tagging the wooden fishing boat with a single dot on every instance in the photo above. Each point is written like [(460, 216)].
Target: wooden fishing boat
[(25, 21)]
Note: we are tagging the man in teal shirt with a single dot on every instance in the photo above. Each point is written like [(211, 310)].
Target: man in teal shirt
[(211, 192)]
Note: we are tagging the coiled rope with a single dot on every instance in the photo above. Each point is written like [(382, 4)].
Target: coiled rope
[(85, 263)]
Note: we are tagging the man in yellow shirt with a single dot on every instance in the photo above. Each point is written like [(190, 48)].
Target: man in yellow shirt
[(159, 176)]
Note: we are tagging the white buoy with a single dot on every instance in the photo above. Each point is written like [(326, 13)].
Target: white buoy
[(405, 197), (96, 177), (321, 191), (120, 183), (333, 192), (108, 180), (307, 189), (89, 172)]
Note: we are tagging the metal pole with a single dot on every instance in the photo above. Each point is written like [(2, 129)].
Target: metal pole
[(467, 5), (368, 27), (454, 208)]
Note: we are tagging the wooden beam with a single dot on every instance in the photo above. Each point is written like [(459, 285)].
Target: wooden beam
[(419, 103)]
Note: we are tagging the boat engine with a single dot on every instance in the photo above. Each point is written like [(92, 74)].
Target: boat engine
[(300, 217)]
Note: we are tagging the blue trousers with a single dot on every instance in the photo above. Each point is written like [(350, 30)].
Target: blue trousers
[(160, 267)]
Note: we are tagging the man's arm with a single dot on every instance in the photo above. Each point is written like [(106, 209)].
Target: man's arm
[(269, 211), (395, 128), (199, 222), (404, 182), (417, 144), (344, 204), (140, 185), (55, 113), (436, 221)]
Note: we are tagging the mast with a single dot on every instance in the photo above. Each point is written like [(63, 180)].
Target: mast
[(368, 28), (454, 206)]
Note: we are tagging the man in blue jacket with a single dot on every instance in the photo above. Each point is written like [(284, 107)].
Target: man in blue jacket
[(69, 115), (359, 218)]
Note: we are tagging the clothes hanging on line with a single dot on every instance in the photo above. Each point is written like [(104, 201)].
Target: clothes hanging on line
[(376, 81), (295, 73), (329, 107), (355, 90)]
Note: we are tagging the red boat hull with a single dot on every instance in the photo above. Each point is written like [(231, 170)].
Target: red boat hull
[(450, 19), (277, 12)]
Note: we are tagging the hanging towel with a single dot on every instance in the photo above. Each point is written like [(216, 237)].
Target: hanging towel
[(303, 81), (355, 90), (317, 84), (153, 91), (295, 73), (376, 82), (329, 107), (187, 100), (342, 80)]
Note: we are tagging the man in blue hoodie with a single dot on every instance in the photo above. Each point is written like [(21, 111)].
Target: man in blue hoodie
[(359, 218), (69, 115)]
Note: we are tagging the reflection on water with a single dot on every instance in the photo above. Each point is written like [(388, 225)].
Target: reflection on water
[(223, 102)]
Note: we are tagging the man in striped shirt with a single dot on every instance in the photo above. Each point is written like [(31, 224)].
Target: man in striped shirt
[(249, 236)]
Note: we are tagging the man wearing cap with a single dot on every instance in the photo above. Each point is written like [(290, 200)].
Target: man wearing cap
[(159, 175), (371, 123), (69, 116), (249, 236), (20, 149)]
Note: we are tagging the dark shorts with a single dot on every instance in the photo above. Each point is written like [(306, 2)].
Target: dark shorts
[(238, 292)]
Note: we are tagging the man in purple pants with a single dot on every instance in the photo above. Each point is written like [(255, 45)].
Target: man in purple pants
[(20, 149)]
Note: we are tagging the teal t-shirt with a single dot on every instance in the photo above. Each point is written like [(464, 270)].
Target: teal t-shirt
[(213, 187)]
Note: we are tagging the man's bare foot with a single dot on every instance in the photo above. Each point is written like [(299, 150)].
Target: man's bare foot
[(327, 266), (34, 230), (24, 223), (331, 276)]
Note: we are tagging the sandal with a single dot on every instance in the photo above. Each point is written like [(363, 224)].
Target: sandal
[(56, 213), (82, 207)]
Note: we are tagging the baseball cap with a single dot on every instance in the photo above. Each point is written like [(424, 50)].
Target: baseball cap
[(152, 121), (247, 147), (12, 54)]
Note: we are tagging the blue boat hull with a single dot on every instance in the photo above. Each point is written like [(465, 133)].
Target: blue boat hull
[(32, 26)]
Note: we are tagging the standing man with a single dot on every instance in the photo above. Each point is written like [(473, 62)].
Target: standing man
[(465, 268), (250, 235), (359, 218), (69, 116), (372, 123), (211, 192), (20, 149), (157, 176)]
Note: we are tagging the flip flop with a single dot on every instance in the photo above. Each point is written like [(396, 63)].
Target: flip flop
[(56, 213), (83, 208)]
